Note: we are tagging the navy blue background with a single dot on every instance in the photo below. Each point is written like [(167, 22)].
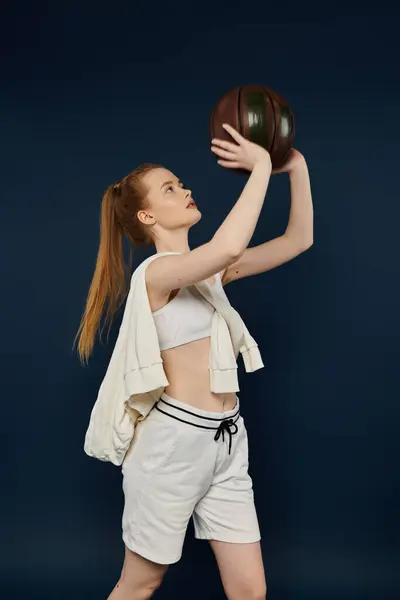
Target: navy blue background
[(89, 92)]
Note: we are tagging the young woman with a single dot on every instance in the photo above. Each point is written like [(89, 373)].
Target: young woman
[(194, 440)]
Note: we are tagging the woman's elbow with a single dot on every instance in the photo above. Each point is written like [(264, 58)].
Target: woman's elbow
[(304, 246)]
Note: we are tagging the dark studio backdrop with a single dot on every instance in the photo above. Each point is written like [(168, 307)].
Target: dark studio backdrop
[(89, 92)]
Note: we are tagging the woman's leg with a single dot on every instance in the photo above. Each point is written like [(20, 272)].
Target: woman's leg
[(241, 569), (139, 578)]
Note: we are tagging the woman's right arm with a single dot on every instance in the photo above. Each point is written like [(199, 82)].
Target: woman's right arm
[(229, 241)]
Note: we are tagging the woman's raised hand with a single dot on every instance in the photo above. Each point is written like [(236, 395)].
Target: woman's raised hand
[(240, 155)]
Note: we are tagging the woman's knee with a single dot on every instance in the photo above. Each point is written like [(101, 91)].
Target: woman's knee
[(250, 591), (255, 593), (140, 577)]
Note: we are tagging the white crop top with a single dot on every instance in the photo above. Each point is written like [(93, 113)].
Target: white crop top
[(185, 318)]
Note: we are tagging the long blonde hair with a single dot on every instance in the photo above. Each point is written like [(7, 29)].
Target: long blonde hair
[(109, 286)]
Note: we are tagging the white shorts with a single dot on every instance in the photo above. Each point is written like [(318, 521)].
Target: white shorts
[(185, 462)]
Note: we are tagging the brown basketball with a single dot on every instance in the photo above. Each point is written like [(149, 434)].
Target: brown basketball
[(260, 115)]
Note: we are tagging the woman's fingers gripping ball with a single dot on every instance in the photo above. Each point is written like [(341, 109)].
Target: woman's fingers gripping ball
[(240, 155)]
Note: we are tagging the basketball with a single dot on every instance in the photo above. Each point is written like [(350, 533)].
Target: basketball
[(259, 114)]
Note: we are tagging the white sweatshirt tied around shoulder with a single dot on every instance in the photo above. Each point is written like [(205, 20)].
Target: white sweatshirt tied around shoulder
[(135, 377)]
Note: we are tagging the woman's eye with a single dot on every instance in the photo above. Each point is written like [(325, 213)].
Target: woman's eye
[(170, 187)]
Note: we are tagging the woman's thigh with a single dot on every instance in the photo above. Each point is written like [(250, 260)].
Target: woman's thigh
[(241, 569)]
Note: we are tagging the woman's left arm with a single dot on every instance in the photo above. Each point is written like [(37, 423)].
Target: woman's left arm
[(298, 236)]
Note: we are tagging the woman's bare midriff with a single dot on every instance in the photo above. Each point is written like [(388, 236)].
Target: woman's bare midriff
[(187, 371), (186, 368)]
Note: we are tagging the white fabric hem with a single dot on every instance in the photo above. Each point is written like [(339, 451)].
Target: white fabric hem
[(229, 539), (145, 553)]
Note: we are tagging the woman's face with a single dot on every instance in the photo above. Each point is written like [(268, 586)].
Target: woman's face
[(168, 201)]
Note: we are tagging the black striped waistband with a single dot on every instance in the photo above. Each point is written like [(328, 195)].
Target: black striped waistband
[(226, 423)]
